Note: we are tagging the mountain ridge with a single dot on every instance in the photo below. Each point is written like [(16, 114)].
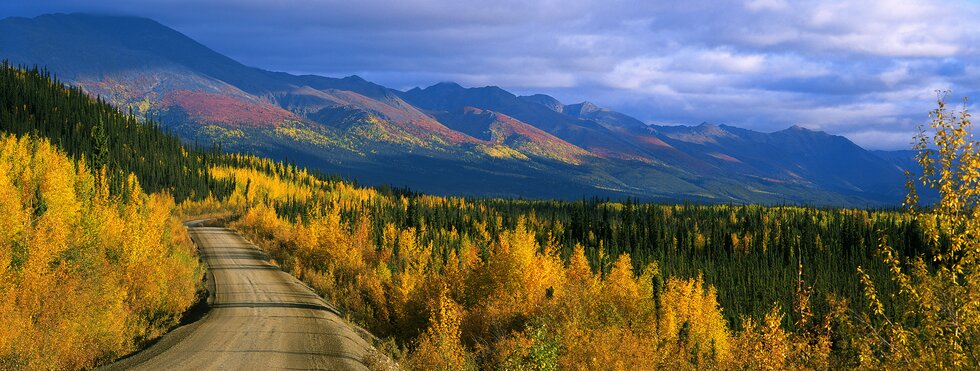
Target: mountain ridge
[(367, 131)]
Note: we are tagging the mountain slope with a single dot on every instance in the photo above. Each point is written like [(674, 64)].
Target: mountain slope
[(794, 155), (505, 134), (441, 139), (586, 134), (902, 159)]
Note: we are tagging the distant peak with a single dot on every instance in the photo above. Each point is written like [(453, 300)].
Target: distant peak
[(804, 129), (801, 129), (446, 85), (711, 129), (354, 78), (583, 108), (539, 96), (88, 17), (495, 89), (545, 100)]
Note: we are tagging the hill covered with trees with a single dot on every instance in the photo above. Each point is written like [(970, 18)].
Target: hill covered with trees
[(32, 102), (91, 265)]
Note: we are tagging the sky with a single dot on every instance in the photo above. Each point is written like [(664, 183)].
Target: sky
[(868, 70)]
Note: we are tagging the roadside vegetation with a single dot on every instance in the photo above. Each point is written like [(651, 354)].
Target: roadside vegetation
[(85, 275), (457, 283), (94, 260)]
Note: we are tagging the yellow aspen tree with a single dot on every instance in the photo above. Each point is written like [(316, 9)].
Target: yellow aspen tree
[(691, 318), (765, 345), (578, 267), (939, 326), (440, 347), (622, 292)]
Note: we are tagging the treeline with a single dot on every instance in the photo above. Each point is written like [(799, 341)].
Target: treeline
[(33, 102)]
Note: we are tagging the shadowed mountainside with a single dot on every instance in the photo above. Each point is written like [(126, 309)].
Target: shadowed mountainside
[(443, 139)]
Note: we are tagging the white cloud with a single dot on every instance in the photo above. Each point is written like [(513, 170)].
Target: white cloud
[(895, 75), (760, 5), (881, 139)]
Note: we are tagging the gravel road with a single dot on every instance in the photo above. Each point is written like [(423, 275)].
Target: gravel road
[(260, 318)]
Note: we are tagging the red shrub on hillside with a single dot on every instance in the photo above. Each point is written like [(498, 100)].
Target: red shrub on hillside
[(224, 109)]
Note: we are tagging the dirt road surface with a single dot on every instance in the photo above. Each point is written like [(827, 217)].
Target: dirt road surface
[(260, 318)]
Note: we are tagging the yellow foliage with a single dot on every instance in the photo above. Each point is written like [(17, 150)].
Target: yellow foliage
[(765, 345), (579, 271), (516, 304), (501, 151), (692, 319), (502, 297), (513, 284), (622, 290), (85, 278), (440, 348), (608, 348), (939, 324)]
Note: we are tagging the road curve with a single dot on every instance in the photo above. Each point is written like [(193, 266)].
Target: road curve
[(260, 318)]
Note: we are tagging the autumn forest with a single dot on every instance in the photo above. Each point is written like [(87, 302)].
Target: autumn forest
[(95, 261)]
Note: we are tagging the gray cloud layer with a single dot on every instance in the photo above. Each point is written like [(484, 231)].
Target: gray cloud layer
[(868, 70)]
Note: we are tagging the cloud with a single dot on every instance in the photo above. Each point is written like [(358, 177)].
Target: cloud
[(858, 68), (772, 5), (882, 139)]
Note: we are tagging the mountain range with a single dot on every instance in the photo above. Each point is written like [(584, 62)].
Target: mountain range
[(445, 138)]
